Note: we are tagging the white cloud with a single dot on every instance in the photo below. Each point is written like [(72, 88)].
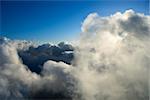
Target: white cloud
[(113, 57), (17, 81)]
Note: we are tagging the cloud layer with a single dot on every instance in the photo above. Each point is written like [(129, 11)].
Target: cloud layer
[(113, 57), (18, 82), (110, 62)]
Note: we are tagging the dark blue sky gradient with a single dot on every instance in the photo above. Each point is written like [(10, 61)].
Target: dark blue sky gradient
[(56, 20)]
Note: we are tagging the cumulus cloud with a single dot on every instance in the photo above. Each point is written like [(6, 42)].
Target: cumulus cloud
[(113, 57), (18, 82), (55, 82), (15, 78), (110, 62)]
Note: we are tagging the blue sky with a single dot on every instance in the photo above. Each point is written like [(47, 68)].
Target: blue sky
[(54, 21)]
